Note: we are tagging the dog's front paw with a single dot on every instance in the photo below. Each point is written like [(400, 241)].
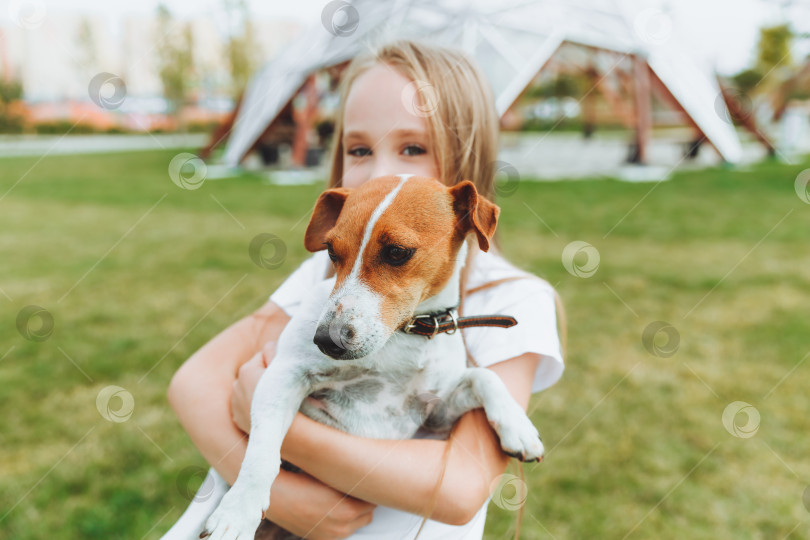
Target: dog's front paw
[(519, 437), (233, 520)]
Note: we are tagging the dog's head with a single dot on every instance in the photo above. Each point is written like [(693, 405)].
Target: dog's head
[(394, 242)]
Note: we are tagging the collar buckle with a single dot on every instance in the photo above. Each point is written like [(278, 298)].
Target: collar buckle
[(408, 329)]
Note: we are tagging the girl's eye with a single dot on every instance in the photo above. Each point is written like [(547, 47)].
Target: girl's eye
[(360, 151), (414, 150), (396, 255)]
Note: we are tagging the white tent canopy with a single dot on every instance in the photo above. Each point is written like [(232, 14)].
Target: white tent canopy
[(511, 43)]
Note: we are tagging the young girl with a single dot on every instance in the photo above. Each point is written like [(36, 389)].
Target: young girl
[(409, 108)]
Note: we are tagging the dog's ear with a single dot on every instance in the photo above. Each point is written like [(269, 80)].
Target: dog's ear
[(324, 216), (474, 212)]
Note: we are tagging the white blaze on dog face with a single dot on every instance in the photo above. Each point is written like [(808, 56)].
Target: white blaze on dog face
[(353, 310), (409, 234)]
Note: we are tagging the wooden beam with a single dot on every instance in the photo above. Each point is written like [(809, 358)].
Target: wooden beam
[(526, 88), (303, 122), (285, 115), (662, 92), (283, 119), (643, 102), (745, 117), (589, 103), (222, 131), (613, 98)]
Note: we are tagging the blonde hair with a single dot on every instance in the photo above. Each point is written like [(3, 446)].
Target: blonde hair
[(462, 120)]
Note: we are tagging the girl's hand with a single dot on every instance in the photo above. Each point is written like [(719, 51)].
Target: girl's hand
[(312, 509), (245, 385)]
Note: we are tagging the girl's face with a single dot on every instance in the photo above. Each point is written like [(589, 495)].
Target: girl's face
[(380, 135)]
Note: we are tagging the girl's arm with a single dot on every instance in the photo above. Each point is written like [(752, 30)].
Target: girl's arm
[(367, 468), (200, 394), (200, 391)]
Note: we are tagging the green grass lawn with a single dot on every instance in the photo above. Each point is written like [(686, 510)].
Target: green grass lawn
[(137, 274)]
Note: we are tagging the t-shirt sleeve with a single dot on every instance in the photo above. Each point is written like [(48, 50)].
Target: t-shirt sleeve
[(290, 294), (531, 302)]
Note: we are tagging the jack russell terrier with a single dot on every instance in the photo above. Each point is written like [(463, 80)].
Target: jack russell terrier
[(375, 348)]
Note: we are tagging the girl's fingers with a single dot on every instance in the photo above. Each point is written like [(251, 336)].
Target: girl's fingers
[(268, 352), (361, 507), (363, 519), (256, 361), (249, 368)]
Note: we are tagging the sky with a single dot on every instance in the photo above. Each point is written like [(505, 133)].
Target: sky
[(724, 32)]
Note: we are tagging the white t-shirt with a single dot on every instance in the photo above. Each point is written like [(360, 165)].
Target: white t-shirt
[(530, 301)]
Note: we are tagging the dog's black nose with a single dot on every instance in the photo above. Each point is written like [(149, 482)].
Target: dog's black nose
[(328, 344)]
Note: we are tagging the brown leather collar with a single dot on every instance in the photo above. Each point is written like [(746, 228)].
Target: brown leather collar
[(430, 324)]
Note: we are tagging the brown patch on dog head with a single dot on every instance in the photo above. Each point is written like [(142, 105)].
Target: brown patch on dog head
[(474, 212), (421, 218), (426, 219), (342, 220), (324, 216)]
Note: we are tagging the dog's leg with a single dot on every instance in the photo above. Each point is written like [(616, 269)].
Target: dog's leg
[(278, 396), (481, 387)]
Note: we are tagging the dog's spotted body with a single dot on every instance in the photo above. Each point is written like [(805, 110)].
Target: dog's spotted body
[(398, 245)]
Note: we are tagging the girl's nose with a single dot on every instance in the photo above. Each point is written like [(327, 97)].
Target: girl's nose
[(384, 166)]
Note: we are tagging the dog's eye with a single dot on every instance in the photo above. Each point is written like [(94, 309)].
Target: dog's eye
[(396, 255), (331, 252)]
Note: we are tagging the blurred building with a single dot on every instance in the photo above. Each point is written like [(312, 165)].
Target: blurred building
[(56, 58)]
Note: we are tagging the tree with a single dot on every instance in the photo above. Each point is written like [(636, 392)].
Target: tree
[(175, 59), (240, 47), (86, 43), (12, 110), (774, 47), (563, 85), (746, 80), (10, 91), (773, 52)]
